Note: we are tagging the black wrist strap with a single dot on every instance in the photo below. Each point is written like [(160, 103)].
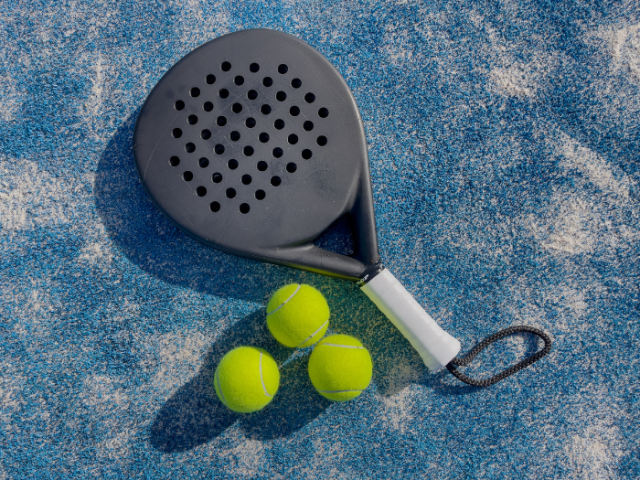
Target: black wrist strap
[(468, 358)]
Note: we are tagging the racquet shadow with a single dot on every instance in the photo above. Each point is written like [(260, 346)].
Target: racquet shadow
[(147, 238), (194, 415)]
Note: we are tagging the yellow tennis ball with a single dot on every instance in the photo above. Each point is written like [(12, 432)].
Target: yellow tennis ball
[(340, 368), (297, 315), (246, 379)]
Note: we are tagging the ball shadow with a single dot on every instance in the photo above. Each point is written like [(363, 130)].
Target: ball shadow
[(296, 404), (151, 241), (194, 415), (191, 417)]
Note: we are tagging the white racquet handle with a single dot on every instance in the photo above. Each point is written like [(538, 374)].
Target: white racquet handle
[(436, 347)]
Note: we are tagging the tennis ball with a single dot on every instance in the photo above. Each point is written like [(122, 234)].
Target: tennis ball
[(340, 368), (297, 315), (246, 379)]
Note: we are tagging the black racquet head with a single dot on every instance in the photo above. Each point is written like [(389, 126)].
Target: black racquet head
[(253, 144)]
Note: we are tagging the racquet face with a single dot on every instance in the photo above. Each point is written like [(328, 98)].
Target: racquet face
[(253, 144)]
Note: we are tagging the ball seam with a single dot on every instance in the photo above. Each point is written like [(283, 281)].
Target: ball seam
[(312, 335), (264, 387), (220, 389), (285, 302)]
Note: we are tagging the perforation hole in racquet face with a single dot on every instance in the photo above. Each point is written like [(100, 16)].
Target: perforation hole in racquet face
[(286, 157)]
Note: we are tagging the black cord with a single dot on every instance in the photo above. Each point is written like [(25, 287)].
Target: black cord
[(466, 360)]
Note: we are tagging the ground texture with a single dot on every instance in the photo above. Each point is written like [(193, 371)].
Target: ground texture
[(504, 140)]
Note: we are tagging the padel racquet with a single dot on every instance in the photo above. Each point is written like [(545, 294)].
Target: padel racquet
[(253, 144)]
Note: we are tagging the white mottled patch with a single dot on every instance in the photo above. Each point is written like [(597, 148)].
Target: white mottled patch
[(247, 458), (179, 358), (572, 227), (198, 26), (508, 76), (623, 45), (103, 96), (100, 392), (569, 298), (396, 43), (11, 385), (593, 452), (517, 79), (9, 98), (33, 310), (28, 304), (97, 253), (396, 410), (493, 35), (576, 223), (593, 167), (117, 447), (31, 197), (98, 86), (399, 376), (613, 85), (515, 344), (111, 407)]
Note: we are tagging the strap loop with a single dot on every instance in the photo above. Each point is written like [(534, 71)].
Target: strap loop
[(468, 358)]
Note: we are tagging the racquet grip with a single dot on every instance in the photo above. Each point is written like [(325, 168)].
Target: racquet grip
[(436, 347)]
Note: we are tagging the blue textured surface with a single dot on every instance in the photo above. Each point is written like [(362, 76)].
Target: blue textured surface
[(504, 142)]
